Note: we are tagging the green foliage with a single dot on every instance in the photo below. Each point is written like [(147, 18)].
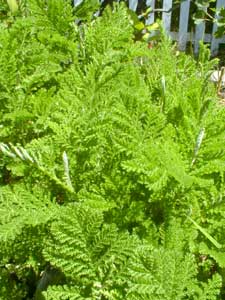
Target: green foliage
[(112, 161), (221, 23), (169, 271), (95, 257), (86, 9)]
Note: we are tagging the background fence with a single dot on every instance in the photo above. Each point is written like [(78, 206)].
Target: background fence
[(182, 36)]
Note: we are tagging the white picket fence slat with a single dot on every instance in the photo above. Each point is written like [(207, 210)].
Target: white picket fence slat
[(166, 15), (199, 34), (215, 42), (133, 4), (182, 36), (151, 17), (183, 24)]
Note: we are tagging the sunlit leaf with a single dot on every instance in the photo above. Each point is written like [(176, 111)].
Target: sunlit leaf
[(13, 6), (206, 234), (154, 26), (139, 26)]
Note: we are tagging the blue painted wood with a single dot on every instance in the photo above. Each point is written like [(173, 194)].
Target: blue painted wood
[(183, 24)]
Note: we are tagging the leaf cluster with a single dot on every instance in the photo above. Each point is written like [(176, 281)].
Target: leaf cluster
[(112, 162)]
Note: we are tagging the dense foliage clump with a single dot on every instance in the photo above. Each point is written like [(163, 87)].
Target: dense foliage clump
[(112, 161)]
